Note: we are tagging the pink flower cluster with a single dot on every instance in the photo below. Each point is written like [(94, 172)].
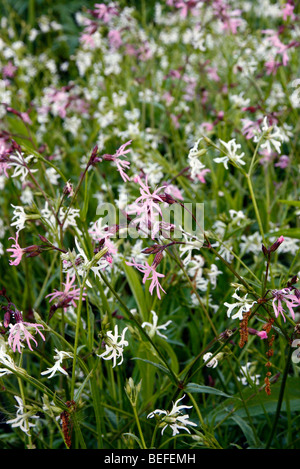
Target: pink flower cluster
[(281, 297)]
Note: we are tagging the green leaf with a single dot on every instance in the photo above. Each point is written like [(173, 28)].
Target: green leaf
[(163, 344), (246, 429), (137, 290), (258, 403), (289, 232), (157, 365), (81, 388), (295, 203), (199, 388)]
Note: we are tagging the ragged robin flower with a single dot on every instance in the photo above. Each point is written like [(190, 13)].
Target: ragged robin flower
[(114, 345), (174, 418), (21, 332)]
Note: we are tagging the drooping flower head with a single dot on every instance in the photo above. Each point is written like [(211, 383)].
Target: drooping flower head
[(20, 332), (122, 165), (68, 296), (150, 273), (284, 296), (16, 250), (244, 305), (114, 345), (173, 418), (24, 413)]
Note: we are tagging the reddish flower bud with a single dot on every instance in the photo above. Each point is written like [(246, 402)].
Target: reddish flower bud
[(157, 259), (152, 249), (276, 245)]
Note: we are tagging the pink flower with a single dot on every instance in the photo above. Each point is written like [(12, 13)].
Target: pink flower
[(9, 70), (173, 191), (147, 207), (104, 12), (114, 38), (275, 41), (284, 296), (288, 10), (20, 333), (207, 126), (262, 334), (88, 40), (212, 73), (17, 251), (149, 270), (283, 162), (175, 120), (272, 66), (201, 175), (120, 164), (68, 296), (249, 128), (185, 6)]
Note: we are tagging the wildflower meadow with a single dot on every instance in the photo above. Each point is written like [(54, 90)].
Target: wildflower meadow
[(149, 225)]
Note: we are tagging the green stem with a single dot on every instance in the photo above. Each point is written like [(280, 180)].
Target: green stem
[(78, 324), (139, 427), (20, 383), (255, 207)]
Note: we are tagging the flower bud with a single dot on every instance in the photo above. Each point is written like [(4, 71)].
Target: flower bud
[(276, 244)]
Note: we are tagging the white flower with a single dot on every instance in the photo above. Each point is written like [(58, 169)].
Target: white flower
[(295, 96), (244, 305), (195, 165), (82, 263), (195, 266), (174, 419), (251, 243), (59, 357), (236, 216), (26, 196), (154, 328), (231, 148), (20, 162), (22, 417), (213, 274), (225, 250), (114, 346), (210, 363), (20, 217), (6, 361), (247, 377), (52, 175), (191, 242), (239, 101), (51, 220), (273, 137)]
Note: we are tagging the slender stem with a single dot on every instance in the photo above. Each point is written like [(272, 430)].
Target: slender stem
[(154, 436), (255, 208), (78, 324), (20, 383), (139, 427), (280, 398), (75, 193)]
